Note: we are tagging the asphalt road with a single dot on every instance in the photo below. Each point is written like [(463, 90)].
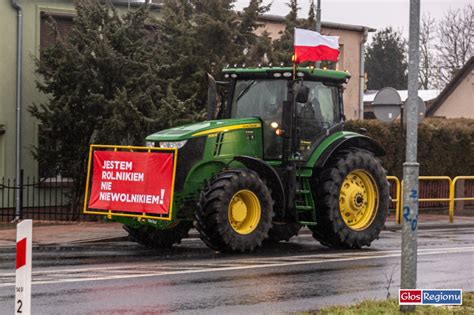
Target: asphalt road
[(123, 278)]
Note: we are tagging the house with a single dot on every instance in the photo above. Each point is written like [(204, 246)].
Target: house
[(457, 98), (36, 34), (351, 57)]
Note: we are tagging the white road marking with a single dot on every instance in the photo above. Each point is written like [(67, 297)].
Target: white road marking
[(256, 260), (266, 264)]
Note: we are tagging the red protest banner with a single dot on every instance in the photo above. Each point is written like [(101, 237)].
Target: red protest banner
[(132, 181)]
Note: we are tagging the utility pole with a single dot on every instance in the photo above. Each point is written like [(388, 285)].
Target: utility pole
[(411, 166), (19, 62), (318, 25), (318, 17)]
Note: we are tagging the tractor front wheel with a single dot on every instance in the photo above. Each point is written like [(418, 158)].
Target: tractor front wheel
[(235, 211), (352, 198), (152, 237)]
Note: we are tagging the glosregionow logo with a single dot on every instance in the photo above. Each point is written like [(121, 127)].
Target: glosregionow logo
[(430, 297)]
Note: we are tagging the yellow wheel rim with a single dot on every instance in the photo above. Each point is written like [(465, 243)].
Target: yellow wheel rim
[(244, 212), (358, 200)]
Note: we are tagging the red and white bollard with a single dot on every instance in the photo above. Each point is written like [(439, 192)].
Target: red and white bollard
[(24, 235)]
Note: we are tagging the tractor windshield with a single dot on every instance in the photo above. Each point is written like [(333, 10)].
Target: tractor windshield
[(264, 99)]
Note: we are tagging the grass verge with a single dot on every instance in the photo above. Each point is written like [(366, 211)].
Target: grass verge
[(391, 306)]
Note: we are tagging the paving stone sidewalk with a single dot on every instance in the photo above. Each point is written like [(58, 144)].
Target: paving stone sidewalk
[(52, 233)]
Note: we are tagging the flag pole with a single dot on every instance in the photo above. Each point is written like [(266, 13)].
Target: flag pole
[(293, 58), (294, 66)]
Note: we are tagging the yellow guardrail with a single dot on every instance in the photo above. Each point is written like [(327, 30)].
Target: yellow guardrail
[(452, 195), (397, 198), (451, 199)]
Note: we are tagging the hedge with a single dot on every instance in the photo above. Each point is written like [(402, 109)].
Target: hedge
[(445, 146)]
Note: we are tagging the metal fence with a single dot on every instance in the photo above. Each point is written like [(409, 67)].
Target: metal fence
[(45, 199)]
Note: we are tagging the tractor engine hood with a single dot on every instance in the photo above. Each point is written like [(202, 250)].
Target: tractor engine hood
[(203, 129)]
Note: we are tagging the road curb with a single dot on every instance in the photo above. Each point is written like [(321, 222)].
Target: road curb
[(431, 226)]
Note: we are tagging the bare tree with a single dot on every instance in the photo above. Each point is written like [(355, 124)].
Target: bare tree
[(427, 55), (455, 32)]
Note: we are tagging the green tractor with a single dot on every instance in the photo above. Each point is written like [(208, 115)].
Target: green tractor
[(271, 158)]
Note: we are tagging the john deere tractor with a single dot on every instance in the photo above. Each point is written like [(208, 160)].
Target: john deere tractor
[(272, 157)]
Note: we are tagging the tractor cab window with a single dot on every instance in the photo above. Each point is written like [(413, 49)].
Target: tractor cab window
[(264, 99), (320, 113)]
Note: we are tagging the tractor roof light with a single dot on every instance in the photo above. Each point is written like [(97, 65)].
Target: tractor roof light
[(274, 125)]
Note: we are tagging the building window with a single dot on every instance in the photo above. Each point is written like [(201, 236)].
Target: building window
[(63, 22)]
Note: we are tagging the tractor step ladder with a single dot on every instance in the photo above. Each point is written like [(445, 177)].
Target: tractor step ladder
[(304, 203)]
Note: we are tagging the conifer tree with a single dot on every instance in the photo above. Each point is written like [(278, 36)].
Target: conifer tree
[(386, 63), (283, 47), (104, 85), (255, 47), (311, 20)]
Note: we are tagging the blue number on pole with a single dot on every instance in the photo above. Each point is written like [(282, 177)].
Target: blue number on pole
[(414, 194), (406, 213), (414, 223)]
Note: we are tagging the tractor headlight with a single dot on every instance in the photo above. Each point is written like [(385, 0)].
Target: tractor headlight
[(150, 144), (173, 144)]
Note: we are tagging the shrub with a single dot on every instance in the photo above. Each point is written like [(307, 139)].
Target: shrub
[(445, 146)]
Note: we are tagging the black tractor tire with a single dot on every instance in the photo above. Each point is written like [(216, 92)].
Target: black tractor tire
[(214, 214), (331, 229), (283, 231), (152, 237)]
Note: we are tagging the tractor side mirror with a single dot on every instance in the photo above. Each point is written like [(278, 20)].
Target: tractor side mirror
[(211, 97), (303, 94)]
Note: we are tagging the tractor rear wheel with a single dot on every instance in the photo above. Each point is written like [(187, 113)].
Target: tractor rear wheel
[(152, 237), (352, 198), (283, 231), (235, 211)]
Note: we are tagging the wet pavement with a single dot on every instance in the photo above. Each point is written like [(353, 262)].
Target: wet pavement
[(121, 277)]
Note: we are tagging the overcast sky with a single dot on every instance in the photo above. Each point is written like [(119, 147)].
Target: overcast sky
[(372, 13)]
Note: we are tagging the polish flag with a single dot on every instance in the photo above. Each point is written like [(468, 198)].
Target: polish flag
[(312, 46)]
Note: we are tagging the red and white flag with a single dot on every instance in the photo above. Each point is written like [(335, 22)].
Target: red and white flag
[(312, 46)]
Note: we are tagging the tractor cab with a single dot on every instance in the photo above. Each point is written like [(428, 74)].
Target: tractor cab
[(313, 100)]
